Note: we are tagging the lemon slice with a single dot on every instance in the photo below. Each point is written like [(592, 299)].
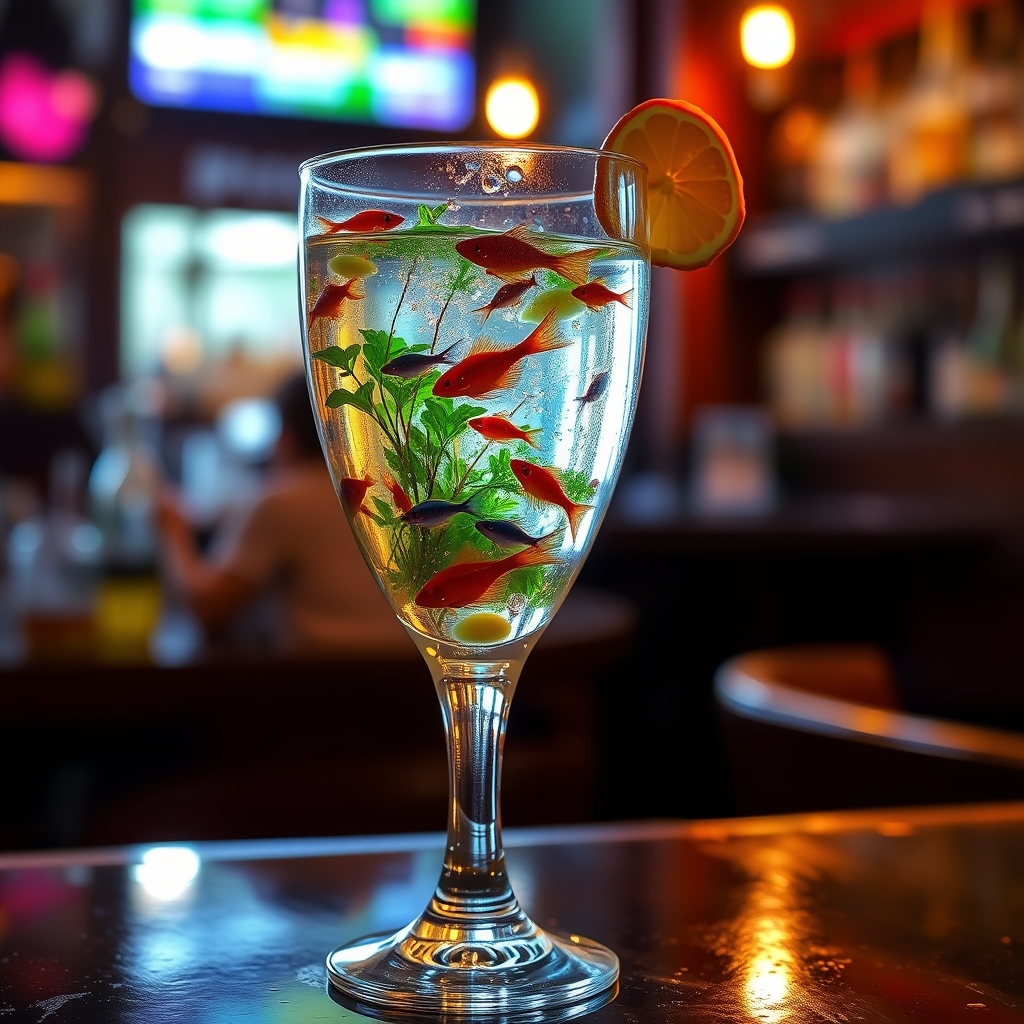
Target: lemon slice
[(694, 188)]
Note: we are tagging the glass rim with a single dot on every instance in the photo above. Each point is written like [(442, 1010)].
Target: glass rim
[(452, 147)]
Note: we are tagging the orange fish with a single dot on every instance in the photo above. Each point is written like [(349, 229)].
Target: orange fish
[(402, 502), (509, 256), (488, 369), (595, 294), (353, 490), (468, 582), (497, 428), (507, 295), (542, 484), (331, 299), (368, 220)]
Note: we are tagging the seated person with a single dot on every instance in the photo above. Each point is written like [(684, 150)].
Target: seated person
[(293, 543)]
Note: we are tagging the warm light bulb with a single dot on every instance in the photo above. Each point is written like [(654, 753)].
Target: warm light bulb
[(513, 108), (767, 36)]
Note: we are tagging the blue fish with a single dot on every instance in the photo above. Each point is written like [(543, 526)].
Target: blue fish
[(415, 364), (507, 535), (437, 512), (597, 388)]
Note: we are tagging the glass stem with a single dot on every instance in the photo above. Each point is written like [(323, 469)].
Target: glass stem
[(475, 708)]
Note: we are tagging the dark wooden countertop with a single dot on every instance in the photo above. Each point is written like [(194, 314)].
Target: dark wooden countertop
[(858, 916)]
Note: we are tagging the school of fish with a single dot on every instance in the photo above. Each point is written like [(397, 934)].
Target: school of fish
[(486, 370)]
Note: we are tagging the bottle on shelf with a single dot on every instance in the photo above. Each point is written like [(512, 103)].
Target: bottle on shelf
[(994, 87), (124, 487), (930, 125), (848, 167), (54, 562)]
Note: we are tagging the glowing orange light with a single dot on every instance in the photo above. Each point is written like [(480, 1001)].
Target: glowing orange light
[(512, 107), (766, 36)]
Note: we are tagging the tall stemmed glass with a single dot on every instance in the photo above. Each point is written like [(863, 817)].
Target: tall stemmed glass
[(473, 322)]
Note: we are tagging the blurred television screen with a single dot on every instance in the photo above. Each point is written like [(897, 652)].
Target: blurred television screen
[(401, 63)]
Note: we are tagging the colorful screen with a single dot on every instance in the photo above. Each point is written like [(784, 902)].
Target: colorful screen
[(404, 63)]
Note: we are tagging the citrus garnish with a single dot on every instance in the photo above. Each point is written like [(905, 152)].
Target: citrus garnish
[(694, 188)]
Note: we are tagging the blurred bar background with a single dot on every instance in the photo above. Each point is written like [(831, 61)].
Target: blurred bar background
[(829, 447)]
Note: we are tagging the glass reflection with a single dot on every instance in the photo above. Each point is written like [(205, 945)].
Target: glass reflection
[(167, 872)]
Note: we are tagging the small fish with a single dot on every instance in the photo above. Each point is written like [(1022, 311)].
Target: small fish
[(507, 295), (509, 256), (331, 299), (508, 535), (437, 512), (402, 502), (595, 294), (468, 582), (488, 369), (497, 428), (598, 385), (353, 490), (542, 484), (368, 220), (415, 364)]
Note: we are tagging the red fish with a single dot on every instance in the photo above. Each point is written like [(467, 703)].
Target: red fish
[(488, 369), (402, 502), (507, 295), (497, 428), (542, 484), (595, 294), (353, 490), (509, 256), (468, 582), (331, 299), (368, 220)]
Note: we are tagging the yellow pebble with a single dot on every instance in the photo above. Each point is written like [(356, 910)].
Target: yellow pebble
[(351, 266), (482, 628), (565, 304)]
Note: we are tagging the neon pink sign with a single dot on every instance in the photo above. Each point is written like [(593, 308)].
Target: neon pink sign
[(44, 115)]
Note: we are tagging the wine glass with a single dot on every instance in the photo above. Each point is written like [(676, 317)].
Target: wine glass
[(473, 323)]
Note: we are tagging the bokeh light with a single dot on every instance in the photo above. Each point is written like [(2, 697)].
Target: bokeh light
[(513, 107), (767, 36)]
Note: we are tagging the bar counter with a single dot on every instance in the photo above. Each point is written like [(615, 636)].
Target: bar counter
[(889, 916)]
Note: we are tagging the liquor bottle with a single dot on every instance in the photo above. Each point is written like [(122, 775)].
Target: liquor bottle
[(994, 86), (54, 562), (848, 169), (124, 486), (991, 338), (930, 127)]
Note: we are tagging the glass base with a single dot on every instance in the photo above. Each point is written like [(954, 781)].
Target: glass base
[(519, 978)]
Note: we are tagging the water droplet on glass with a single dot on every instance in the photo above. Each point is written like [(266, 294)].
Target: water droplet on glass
[(514, 174), (491, 183)]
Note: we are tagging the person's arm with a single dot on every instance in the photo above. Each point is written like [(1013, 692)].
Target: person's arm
[(213, 594)]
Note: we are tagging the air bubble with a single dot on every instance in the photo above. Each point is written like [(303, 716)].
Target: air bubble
[(492, 183), (472, 165), (514, 174)]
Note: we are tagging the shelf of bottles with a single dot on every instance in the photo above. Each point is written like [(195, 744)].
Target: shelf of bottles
[(898, 240), (43, 219)]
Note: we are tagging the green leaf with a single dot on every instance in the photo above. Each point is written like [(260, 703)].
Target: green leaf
[(361, 398), (499, 471), (576, 485), (376, 350), (395, 464), (387, 513), (528, 581), (464, 278), (399, 389), (428, 216), (343, 358)]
